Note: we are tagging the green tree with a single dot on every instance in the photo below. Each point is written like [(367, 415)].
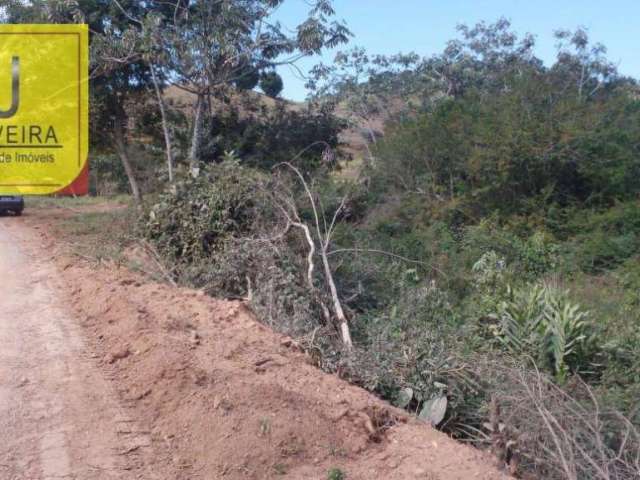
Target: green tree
[(210, 48)]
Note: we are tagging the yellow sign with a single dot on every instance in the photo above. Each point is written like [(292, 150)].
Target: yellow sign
[(44, 103)]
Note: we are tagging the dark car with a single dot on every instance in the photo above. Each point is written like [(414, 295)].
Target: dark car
[(11, 204)]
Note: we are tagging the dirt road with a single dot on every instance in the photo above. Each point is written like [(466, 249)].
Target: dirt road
[(107, 375), (59, 415)]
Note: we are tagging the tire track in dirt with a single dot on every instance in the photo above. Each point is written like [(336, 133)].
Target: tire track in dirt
[(59, 417)]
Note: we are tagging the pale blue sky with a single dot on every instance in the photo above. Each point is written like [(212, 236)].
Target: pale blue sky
[(424, 26)]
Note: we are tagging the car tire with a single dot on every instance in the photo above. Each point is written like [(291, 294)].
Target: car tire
[(18, 213)]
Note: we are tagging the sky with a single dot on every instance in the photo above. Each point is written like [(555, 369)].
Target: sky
[(424, 26)]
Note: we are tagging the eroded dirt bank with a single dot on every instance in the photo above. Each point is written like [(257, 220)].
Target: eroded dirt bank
[(161, 382)]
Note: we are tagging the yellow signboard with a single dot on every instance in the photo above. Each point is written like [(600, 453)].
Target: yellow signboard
[(44, 102)]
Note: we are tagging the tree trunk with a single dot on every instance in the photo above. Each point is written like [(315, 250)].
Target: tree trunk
[(370, 160), (121, 150), (196, 139), (337, 306), (165, 126)]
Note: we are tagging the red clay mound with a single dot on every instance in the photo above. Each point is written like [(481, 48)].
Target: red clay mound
[(233, 400)]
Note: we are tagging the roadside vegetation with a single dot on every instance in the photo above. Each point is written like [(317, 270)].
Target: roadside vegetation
[(482, 268)]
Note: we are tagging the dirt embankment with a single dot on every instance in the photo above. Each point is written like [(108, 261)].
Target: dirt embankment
[(222, 396)]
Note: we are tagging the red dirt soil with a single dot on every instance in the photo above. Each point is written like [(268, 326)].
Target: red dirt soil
[(223, 396)]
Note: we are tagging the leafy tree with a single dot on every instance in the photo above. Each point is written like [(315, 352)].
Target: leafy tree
[(210, 48), (581, 64), (264, 136), (364, 87), (514, 130)]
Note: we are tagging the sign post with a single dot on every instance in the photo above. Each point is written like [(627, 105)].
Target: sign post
[(44, 103)]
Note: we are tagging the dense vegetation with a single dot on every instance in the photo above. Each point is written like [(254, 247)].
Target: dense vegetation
[(487, 256), (485, 261)]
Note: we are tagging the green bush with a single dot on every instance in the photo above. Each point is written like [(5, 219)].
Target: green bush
[(603, 240), (540, 321), (629, 277), (601, 251), (531, 257), (419, 343), (195, 217), (107, 176), (336, 474)]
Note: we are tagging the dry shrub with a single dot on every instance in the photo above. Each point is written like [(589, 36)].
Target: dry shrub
[(228, 232), (554, 432)]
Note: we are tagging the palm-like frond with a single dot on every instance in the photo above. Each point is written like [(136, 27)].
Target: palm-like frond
[(540, 321)]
